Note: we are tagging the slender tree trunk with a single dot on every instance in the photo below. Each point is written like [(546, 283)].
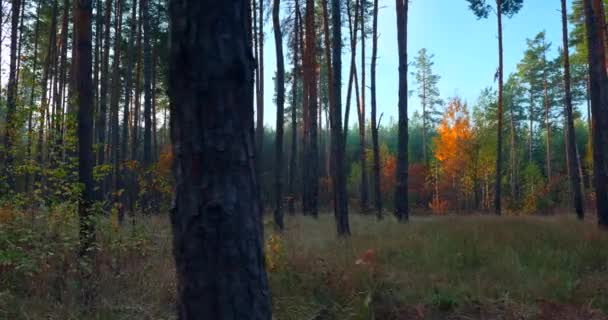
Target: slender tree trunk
[(513, 155), (599, 99), (11, 97), (114, 102), (362, 155), (129, 82), (313, 152), (137, 100), (337, 142), (278, 38), (147, 85), (401, 190), (352, 26), (45, 94), (294, 124), (82, 59), (19, 44), (221, 270), (547, 115), (60, 85), (375, 124), (574, 165), (103, 92), (97, 56), (30, 129), (498, 181)]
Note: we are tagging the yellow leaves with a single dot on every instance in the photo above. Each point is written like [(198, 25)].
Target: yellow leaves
[(6, 215), (274, 252)]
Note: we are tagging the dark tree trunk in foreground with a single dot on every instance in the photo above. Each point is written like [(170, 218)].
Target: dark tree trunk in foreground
[(259, 129), (498, 182), (278, 38), (83, 86), (375, 125), (401, 195), (337, 141), (216, 216), (599, 100), (573, 162)]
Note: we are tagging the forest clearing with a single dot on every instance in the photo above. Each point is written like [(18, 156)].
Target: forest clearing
[(454, 267)]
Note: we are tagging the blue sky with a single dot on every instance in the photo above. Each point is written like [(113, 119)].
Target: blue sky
[(465, 49)]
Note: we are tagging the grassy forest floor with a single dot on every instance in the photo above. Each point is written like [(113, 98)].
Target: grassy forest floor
[(473, 267)]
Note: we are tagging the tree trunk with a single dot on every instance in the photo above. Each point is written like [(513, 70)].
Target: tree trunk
[(599, 99), (337, 141), (216, 217), (362, 155), (147, 160), (294, 125), (278, 38), (45, 94), (513, 155), (547, 115), (11, 97), (103, 93), (60, 85), (375, 124), (573, 163), (82, 59), (19, 44), (30, 128), (114, 102), (352, 26), (401, 190), (312, 158), (128, 82), (498, 181), (137, 100)]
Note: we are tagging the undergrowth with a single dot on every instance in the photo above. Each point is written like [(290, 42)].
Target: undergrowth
[(473, 267)]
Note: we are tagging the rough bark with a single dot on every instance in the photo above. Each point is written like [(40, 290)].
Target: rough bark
[(337, 141), (11, 97), (375, 125), (216, 215), (573, 161), (599, 100), (401, 192), (280, 81), (82, 59)]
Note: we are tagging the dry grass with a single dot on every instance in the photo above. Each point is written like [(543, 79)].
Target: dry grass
[(473, 267)]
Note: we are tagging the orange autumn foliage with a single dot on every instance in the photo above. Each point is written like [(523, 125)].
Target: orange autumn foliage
[(454, 138)]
